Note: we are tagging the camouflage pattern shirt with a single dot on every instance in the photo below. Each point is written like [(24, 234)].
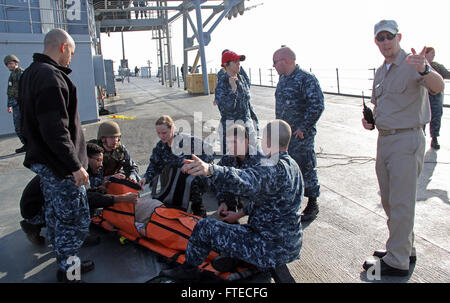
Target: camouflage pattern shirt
[(234, 105), (299, 101), (13, 83), (182, 147), (275, 190), (230, 199), (441, 69)]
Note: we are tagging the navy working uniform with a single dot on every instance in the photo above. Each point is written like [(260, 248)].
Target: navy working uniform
[(55, 148), (13, 93), (437, 102), (300, 102), (232, 200), (235, 106), (273, 234), (183, 146), (32, 202)]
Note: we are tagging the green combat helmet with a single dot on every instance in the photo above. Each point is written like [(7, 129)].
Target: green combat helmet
[(108, 129), (10, 58)]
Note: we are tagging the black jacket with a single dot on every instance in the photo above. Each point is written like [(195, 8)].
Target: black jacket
[(50, 121)]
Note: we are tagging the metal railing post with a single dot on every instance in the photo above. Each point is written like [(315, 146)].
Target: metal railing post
[(271, 77), (260, 81), (337, 79)]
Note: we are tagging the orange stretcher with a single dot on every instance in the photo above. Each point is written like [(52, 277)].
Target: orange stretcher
[(167, 231)]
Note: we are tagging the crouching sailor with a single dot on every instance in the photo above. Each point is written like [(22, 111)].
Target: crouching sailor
[(273, 234)]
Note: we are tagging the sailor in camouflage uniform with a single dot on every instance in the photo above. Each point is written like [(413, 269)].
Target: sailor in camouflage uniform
[(11, 62), (273, 234), (232, 96), (116, 157), (32, 201), (56, 149), (170, 151), (300, 102), (239, 157), (436, 100), (66, 215)]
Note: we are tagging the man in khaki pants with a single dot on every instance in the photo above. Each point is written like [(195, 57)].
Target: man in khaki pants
[(401, 109)]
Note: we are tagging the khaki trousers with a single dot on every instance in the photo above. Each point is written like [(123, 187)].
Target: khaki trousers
[(398, 166)]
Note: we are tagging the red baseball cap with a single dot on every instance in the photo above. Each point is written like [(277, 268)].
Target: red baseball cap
[(231, 56)]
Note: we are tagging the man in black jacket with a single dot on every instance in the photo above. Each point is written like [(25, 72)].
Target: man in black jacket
[(32, 201), (56, 149)]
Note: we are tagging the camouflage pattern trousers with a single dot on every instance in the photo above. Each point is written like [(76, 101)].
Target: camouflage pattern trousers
[(302, 151), (232, 240), (436, 104), (66, 214), (198, 188), (16, 118)]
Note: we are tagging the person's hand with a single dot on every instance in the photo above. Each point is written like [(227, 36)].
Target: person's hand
[(418, 60), (9, 109), (220, 211), (214, 102), (299, 134), (367, 125), (231, 216), (119, 176), (126, 198), (81, 177), (232, 81), (133, 179), (142, 182), (195, 167), (104, 187)]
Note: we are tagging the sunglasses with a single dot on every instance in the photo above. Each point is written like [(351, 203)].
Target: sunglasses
[(381, 38)]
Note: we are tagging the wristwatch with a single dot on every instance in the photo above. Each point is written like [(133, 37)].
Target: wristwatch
[(426, 71), (210, 171)]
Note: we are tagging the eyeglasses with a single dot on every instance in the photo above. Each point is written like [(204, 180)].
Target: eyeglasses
[(276, 61), (381, 38)]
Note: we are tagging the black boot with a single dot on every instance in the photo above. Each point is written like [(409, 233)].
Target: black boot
[(33, 232), (198, 209), (226, 264), (91, 241), (435, 143), (311, 210), (61, 276), (20, 150), (183, 272), (385, 270), (86, 266)]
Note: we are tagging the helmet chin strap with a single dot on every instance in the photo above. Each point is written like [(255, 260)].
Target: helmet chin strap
[(106, 146)]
